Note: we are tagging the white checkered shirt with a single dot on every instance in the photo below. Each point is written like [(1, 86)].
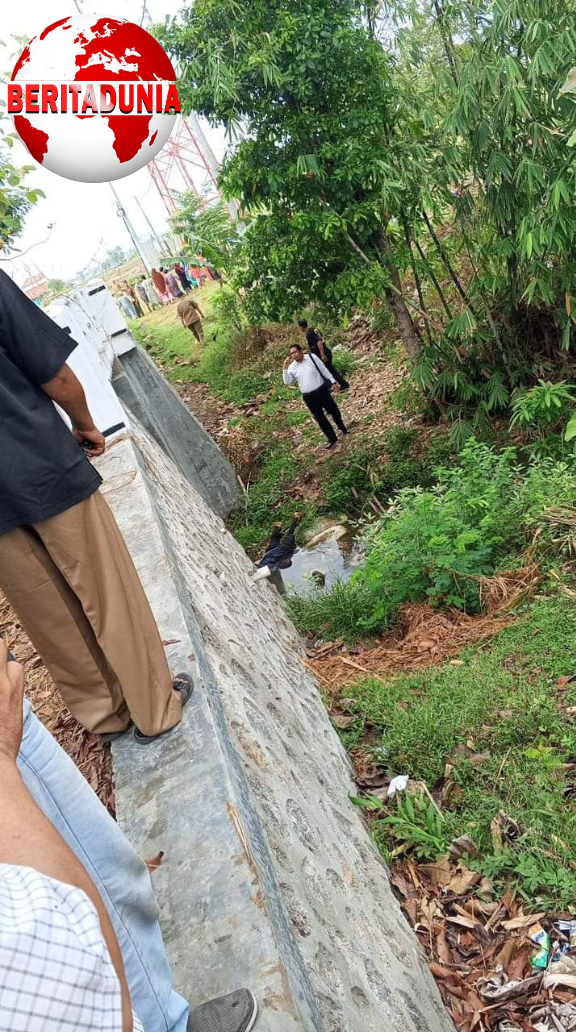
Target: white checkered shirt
[(56, 974)]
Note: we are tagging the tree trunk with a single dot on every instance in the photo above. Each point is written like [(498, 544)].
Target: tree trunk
[(404, 322), (448, 264), (416, 279), (434, 280)]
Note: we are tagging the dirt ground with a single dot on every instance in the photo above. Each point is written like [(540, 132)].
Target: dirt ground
[(366, 407), (91, 757)]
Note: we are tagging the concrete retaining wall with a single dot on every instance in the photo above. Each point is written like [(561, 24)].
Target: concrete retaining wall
[(270, 878), (150, 398)]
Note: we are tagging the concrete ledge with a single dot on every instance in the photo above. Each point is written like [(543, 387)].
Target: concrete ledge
[(270, 879), (151, 400)]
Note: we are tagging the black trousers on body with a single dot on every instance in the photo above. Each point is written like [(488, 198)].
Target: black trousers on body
[(287, 541), (332, 368), (281, 548), (321, 402)]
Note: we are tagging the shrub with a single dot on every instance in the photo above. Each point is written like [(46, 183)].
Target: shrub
[(408, 398), (440, 451), (542, 408), (344, 361), (401, 473), (216, 365), (435, 544), (425, 550), (546, 484), (365, 475), (226, 307), (333, 614), (399, 441), (347, 487)]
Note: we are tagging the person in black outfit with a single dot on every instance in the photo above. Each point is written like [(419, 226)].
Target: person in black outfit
[(279, 553), (281, 548), (315, 342), (316, 384)]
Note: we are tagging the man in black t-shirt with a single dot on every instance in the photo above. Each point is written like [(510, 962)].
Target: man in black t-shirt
[(64, 566), (315, 342)]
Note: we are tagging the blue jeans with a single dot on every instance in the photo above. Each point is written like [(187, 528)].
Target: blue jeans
[(117, 871)]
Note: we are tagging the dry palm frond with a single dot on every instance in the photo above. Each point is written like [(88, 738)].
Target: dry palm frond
[(502, 593), (425, 636), (562, 522)]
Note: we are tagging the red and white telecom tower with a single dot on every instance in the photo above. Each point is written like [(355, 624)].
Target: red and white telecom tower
[(187, 162)]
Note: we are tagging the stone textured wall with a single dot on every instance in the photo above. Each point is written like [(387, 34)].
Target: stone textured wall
[(286, 891), (149, 397)]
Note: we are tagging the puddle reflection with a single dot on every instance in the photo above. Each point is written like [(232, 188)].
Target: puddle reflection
[(324, 564)]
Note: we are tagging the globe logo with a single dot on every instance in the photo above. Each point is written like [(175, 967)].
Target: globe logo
[(93, 98)]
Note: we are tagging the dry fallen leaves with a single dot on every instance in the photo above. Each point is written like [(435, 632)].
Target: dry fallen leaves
[(479, 951), (424, 635), (522, 921), (90, 755), (342, 720)]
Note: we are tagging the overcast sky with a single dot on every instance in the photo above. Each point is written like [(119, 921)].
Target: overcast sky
[(86, 225)]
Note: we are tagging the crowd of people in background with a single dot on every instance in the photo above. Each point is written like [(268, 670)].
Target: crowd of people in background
[(162, 287)]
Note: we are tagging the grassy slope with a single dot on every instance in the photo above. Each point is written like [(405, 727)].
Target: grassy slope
[(235, 375), (507, 700), (167, 340), (504, 697), (292, 471)]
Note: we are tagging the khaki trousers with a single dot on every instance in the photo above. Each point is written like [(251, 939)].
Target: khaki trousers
[(74, 587), (197, 329)]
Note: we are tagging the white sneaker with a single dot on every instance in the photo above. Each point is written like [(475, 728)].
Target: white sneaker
[(262, 574)]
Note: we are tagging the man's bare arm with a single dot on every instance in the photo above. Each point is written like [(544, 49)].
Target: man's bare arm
[(27, 837), (67, 391)]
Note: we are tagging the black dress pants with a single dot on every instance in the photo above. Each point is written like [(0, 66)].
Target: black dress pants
[(286, 541), (340, 380), (320, 402)]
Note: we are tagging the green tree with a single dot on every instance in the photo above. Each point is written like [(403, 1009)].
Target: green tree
[(56, 286), (417, 151), (16, 198), (318, 165), (114, 258), (501, 228), (207, 230), (514, 120)]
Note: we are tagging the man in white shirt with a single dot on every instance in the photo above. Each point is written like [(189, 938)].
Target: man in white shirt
[(316, 383)]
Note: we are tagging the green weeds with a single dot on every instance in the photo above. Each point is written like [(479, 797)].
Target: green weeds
[(498, 721), (435, 545)]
